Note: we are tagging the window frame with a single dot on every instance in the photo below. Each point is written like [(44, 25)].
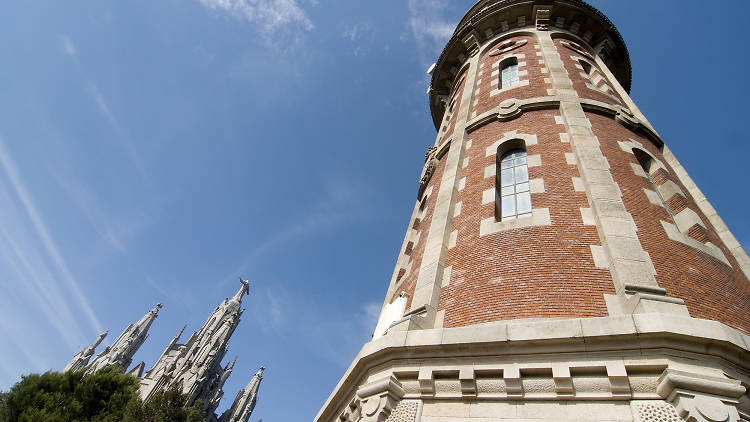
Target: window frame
[(514, 79), (520, 183)]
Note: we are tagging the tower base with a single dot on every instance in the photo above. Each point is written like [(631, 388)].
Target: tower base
[(642, 368)]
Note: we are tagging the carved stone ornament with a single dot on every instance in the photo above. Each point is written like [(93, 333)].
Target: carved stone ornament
[(626, 117), (542, 19), (700, 398), (508, 46), (471, 42), (509, 109), (430, 164), (578, 49), (374, 401)]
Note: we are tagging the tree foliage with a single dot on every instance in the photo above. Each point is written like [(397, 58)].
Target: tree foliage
[(165, 406), (106, 396)]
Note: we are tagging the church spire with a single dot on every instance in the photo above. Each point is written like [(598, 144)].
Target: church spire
[(82, 358), (120, 353), (244, 404)]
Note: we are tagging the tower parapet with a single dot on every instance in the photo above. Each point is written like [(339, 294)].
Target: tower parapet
[(559, 263)]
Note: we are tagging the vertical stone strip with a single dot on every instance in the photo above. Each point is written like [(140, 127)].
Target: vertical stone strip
[(629, 263), (427, 291)]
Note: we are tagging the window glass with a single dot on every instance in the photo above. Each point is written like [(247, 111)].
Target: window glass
[(515, 198), (509, 74)]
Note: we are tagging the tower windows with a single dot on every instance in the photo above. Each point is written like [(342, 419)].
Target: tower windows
[(587, 68), (514, 198), (509, 73)]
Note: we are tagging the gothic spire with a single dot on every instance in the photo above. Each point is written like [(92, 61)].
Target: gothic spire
[(120, 353), (244, 404), (82, 358)]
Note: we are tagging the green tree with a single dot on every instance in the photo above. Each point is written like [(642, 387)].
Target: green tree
[(165, 406), (106, 396)]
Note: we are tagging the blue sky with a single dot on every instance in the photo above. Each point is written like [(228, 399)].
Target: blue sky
[(153, 151)]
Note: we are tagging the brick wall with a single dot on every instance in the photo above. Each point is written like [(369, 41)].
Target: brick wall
[(710, 288), (532, 272)]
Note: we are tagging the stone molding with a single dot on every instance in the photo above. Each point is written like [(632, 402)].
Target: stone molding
[(512, 108), (635, 335), (485, 25)]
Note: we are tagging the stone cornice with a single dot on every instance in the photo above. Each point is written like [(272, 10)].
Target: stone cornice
[(512, 109), (490, 18), (639, 333)]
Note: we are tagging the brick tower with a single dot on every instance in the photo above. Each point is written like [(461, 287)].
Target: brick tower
[(559, 264)]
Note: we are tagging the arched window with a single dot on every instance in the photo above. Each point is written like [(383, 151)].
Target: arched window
[(509, 73), (513, 185), (587, 68)]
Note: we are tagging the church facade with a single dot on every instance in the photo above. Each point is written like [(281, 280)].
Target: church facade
[(194, 366), (559, 263)]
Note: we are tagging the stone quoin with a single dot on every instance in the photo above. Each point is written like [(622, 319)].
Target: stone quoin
[(559, 263)]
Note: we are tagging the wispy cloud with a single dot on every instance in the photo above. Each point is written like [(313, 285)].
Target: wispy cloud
[(360, 34), (327, 329), (50, 289), (337, 207), (68, 47), (357, 31), (430, 28), (269, 15), (113, 234)]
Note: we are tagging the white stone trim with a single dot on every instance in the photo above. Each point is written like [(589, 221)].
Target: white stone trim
[(534, 160), (509, 136), (587, 215), (653, 197), (488, 196), (709, 248), (686, 219), (447, 275), (457, 209), (452, 239), (490, 171), (539, 217), (461, 183), (570, 158), (638, 170), (669, 189), (578, 185), (536, 185), (521, 83)]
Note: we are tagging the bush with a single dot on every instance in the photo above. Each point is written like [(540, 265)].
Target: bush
[(105, 396)]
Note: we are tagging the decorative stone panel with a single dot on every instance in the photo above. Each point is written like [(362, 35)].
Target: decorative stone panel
[(655, 411)]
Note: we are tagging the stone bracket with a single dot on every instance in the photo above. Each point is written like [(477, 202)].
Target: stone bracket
[(701, 398), (374, 401)]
